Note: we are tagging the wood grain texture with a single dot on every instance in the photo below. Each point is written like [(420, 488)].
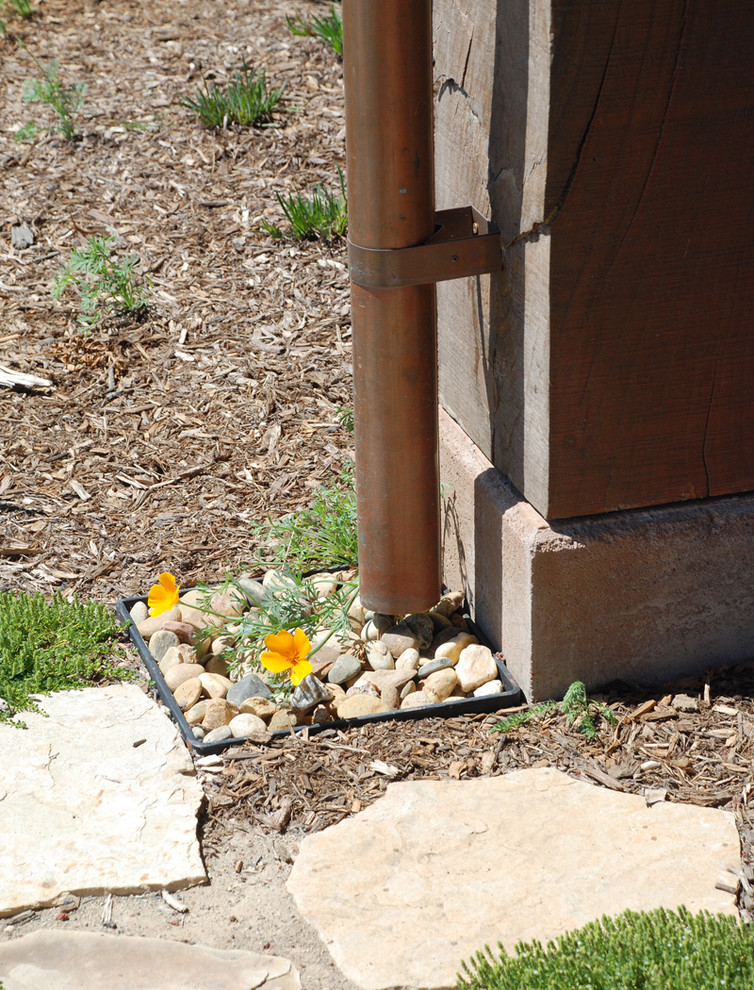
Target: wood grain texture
[(651, 148)]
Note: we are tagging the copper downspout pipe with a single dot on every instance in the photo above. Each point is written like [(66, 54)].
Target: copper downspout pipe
[(387, 67)]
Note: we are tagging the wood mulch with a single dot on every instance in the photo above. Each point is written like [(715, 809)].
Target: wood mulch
[(159, 441)]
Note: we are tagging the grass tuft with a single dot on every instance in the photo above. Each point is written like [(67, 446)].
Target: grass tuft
[(320, 215), (246, 101), (329, 28), (52, 646)]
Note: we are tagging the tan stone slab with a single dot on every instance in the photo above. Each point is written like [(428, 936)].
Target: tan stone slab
[(100, 796), (433, 870), (91, 961)]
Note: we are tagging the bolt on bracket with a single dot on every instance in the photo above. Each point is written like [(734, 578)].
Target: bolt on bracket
[(464, 243)]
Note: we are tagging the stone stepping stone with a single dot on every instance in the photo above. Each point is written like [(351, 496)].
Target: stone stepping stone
[(424, 877), (101, 796), (91, 961)]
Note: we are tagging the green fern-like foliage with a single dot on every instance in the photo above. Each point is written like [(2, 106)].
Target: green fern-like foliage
[(655, 950), (53, 646), (579, 709)]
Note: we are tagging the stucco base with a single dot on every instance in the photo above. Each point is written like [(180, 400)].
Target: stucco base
[(643, 595)]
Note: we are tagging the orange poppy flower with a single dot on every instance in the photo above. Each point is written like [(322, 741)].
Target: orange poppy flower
[(286, 651), (164, 595)]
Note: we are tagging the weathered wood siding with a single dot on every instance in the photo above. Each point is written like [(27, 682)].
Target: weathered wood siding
[(611, 365)]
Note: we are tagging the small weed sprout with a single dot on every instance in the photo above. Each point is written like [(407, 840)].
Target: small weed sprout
[(100, 281), (320, 215), (9, 8), (64, 100), (246, 101), (579, 709), (329, 28)]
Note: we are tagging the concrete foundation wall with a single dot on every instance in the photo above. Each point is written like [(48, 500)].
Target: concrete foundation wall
[(642, 595)]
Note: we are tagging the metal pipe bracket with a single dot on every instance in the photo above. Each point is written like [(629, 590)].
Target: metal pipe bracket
[(464, 243)]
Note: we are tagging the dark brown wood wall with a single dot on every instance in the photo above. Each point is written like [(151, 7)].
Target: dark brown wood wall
[(650, 194)]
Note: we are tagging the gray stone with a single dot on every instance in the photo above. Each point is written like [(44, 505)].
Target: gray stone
[(219, 734), (524, 855), (90, 961), (160, 642), (21, 236), (250, 686), (344, 668), (379, 656), (254, 590), (171, 658), (685, 703), (439, 663), (422, 627), (101, 796), (309, 693)]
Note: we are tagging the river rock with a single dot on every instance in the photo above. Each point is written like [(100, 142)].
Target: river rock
[(440, 684), (160, 642), (415, 699), (215, 685), (344, 668), (263, 708), (182, 672), (475, 667), (219, 644), (246, 725), (391, 696), (408, 689), (455, 646), (139, 613), (309, 693), (276, 581), (422, 627), (219, 712), (379, 656), (408, 660), (282, 720), (188, 693), (361, 704), (152, 623), (254, 590), (363, 686), (170, 659), (196, 713), (439, 663), (490, 687), (218, 734), (399, 638), (250, 686), (449, 603), (369, 632), (388, 678), (183, 630), (216, 665)]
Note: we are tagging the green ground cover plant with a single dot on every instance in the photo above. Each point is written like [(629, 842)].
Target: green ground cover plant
[(320, 215), (656, 950), (581, 711), (101, 281), (329, 28), (53, 646), (246, 100), (64, 100)]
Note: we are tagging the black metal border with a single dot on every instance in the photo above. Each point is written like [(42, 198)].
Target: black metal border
[(445, 709)]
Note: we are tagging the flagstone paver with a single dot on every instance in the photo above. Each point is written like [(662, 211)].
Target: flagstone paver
[(90, 961), (99, 796), (433, 870)]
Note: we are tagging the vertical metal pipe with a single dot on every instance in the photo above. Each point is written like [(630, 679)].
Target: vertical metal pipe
[(387, 64)]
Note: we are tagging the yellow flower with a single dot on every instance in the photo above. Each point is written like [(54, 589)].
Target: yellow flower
[(163, 596), (287, 652)]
